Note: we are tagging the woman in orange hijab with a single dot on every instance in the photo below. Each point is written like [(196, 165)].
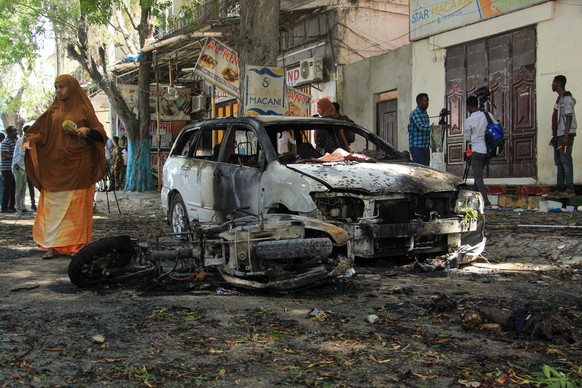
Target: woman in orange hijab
[(65, 156), (324, 138)]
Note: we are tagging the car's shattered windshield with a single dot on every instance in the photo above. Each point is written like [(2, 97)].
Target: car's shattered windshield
[(299, 143)]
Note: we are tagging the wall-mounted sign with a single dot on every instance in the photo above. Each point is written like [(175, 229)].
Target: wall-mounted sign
[(221, 95), (430, 17), (264, 91), (218, 64), (177, 107), (292, 76), (297, 102)]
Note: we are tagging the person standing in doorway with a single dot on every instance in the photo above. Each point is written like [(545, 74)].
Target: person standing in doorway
[(563, 133), (474, 131), (6, 152)]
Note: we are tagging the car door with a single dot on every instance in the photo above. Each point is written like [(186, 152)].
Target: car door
[(198, 173), (237, 178), (177, 169)]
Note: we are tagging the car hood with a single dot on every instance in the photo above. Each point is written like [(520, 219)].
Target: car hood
[(379, 178)]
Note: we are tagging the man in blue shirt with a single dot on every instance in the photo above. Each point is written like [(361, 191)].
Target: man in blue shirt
[(419, 131)]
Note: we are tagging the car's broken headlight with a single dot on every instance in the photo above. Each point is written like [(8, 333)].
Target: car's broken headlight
[(469, 199)]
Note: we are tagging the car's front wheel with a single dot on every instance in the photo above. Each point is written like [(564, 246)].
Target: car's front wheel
[(179, 218)]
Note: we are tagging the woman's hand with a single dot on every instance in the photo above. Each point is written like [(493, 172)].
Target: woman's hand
[(83, 131), (26, 144)]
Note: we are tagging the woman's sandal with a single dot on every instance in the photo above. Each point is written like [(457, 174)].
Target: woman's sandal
[(50, 254)]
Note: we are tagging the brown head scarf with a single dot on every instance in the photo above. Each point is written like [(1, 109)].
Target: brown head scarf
[(59, 161), (325, 108)]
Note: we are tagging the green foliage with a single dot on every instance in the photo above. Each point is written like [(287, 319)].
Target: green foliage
[(549, 377), (470, 213), (20, 32)]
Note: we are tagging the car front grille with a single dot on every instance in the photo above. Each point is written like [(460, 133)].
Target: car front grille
[(421, 208)]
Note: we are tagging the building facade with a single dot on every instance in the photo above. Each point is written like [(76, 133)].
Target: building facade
[(514, 52)]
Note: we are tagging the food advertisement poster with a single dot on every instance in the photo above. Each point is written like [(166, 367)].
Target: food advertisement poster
[(264, 91), (172, 107), (165, 133), (429, 17), (218, 64), (297, 102)]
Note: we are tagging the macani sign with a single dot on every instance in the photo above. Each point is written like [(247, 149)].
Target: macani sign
[(430, 17), (265, 91)]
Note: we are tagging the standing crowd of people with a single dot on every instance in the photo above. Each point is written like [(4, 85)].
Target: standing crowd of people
[(563, 128)]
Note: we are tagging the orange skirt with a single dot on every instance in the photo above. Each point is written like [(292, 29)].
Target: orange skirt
[(64, 220)]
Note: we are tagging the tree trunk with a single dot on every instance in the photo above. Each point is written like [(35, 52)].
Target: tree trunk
[(138, 174), (259, 37)]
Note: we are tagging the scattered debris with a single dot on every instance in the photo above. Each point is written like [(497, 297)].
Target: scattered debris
[(224, 291), (527, 320), (442, 303), (373, 318), (320, 316), (98, 339), (25, 288)]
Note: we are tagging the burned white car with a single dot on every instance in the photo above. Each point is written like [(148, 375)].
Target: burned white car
[(389, 206)]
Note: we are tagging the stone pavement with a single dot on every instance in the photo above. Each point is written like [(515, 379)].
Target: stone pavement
[(128, 200)]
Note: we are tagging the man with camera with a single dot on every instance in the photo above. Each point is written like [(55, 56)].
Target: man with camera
[(563, 132), (474, 132)]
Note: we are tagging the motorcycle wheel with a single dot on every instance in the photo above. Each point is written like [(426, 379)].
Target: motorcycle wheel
[(103, 261), (179, 217)]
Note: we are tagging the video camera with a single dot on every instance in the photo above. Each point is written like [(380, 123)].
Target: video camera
[(484, 96), (443, 116)]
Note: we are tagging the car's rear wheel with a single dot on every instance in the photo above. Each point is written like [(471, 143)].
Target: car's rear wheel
[(179, 218)]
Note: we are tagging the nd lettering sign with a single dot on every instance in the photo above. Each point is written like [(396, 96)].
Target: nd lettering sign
[(293, 76)]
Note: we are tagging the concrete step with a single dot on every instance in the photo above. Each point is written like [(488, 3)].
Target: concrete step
[(542, 203)]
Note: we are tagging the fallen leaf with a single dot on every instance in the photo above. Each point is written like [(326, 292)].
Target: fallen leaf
[(466, 383), (379, 361)]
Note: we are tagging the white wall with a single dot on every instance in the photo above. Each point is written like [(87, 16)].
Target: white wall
[(370, 28), (559, 52), (364, 80), (559, 27)]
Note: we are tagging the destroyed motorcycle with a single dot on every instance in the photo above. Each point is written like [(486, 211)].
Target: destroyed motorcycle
[(277, 252)]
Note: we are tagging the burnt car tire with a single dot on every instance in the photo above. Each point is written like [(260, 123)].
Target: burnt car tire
[(90, 266), (179, 218)]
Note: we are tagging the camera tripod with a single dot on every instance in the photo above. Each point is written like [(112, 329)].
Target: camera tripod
[(106, 178)]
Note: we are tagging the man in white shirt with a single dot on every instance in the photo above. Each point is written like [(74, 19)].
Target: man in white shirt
[(474, 132), (19, 172), (283, 140)]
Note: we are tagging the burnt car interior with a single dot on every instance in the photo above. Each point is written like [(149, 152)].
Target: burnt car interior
[(344, 137), (243, 147)]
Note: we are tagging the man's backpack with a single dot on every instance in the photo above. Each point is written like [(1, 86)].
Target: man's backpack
[(494, 140)]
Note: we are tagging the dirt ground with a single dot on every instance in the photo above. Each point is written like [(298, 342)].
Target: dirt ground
[(387, 326)]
